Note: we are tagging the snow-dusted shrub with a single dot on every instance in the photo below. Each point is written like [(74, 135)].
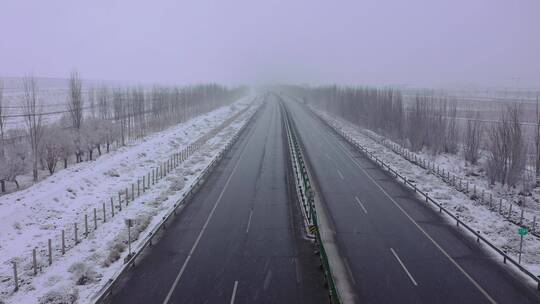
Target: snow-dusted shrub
[(115, 251), (65, 294), (177, 183), (83, 273), (112, 173)]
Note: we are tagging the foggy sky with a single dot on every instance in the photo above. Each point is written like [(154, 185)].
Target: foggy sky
[(413, 42)]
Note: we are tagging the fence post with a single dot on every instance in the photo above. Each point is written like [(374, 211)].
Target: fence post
[(34, 261), (95, 219), (127, 197), (104, 214), (132, 192), (138, 188), (112, 207), (510, 211), (86, 225), (76, 234), (143, 183), (15, 276), (482, 196), (534, 224), (49, 242), (63, 242)]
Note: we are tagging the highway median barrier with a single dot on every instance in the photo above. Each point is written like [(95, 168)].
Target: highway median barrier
[(306, 196)]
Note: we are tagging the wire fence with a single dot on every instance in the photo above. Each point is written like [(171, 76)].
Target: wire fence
[(43, 255)]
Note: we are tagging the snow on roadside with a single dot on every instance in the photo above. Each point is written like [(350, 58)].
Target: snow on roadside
[(501, 197), (500, 232), (29, 217)]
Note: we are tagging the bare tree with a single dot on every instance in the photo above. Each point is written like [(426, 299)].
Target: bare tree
[(120, 113), (14, 164), (452, 128), (32, 112), (67, 145), (472, 138), (507, 148), (418, 123), (92, 101), (51, 147), (537, 140), (2, 121), (75, 101), (103, 103), (2, 124)]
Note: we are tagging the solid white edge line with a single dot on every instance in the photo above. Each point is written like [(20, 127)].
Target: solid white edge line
[(249, 220), (360, 203), (177, 279), (473, 281), (233, 296), (403, 266), (340, 175)]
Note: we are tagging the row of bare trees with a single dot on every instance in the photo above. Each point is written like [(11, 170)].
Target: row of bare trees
[(95, 122), (431, 123)]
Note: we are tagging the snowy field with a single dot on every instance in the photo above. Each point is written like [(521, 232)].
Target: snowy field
[(489, 223), (32, 216)]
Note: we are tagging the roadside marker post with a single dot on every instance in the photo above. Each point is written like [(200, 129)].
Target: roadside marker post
[(522, 232), (129, 223)]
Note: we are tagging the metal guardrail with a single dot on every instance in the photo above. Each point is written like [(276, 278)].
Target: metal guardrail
[(307, 199), (107, 290), (504, 207), (459, 223), (43, 255)]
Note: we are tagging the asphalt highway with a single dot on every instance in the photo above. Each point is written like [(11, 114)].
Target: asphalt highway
[(240, 239), (397, 249)]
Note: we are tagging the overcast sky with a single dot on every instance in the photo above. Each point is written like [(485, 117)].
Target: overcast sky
[(377, 42)]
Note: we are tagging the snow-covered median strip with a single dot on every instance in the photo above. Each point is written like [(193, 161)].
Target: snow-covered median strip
[(34, 215), (503, 234)]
